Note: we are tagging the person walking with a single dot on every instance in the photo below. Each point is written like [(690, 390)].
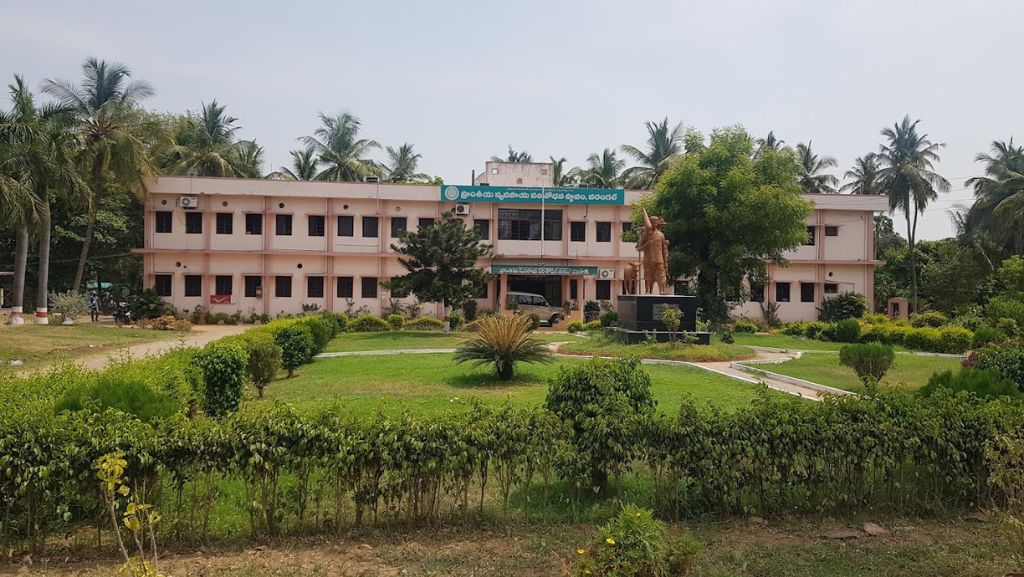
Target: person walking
[(94, 307)]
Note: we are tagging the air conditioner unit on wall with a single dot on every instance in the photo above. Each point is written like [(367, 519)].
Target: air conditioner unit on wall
[(606, 274), (461, 209), (189, 201)]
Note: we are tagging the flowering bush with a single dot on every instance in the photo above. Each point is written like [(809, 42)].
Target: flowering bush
[(168, 323), (69, 305), (635, 544)]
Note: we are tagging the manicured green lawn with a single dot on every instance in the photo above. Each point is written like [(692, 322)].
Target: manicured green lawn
[(433, 382), (909, 372), (785, 342), (416, 340), (36, 343), (601, 345)]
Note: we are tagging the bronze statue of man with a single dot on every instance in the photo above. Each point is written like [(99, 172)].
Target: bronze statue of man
[(653, 247)]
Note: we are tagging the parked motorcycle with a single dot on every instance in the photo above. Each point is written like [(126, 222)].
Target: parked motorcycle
[(123, 314)]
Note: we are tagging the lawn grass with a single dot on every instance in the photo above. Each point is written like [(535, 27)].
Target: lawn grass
[(908, 372), (34, 344), (428, 383), (605, 346), (779, 341), (417, 340)]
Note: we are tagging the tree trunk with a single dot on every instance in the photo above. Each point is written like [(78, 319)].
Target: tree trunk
[(44, 263), (447, 316), (86, 242), (913, 259), (506, 371), (20, 263)]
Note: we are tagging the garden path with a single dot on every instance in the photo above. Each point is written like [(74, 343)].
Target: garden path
[(199, 335)]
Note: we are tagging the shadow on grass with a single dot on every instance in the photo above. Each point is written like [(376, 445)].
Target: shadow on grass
[(485, 378)]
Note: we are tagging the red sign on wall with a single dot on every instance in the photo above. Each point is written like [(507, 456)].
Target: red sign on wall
[(220, 299)]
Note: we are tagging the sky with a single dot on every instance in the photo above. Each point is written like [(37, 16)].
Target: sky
[(462, 80)]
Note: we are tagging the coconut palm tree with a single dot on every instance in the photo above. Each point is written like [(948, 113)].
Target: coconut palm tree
[(304, 166), (863, 176), (663, 144), (340, 150), (402, 164), (249, 159), (908, 178), (812, 179), (46, 146), (770, 142), (999, 195), (18, 207), (111, 152), (603, 170), (513, 156), (204, 144), (559, 175)]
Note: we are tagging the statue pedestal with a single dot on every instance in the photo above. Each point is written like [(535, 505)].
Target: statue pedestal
[(640, 316)]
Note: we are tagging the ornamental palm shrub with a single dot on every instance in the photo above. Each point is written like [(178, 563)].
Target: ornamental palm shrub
[(224, 367), (843, 306), (981, 382), (635, 544), (503, 341), (869, 360), (297, 348)]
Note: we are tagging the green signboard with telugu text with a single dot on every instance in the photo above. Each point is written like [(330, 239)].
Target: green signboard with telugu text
[(544, 269), (533, 195)]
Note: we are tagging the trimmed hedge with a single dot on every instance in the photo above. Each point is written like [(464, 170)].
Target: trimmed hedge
[(424, 324), (948, 339), (368, 324)]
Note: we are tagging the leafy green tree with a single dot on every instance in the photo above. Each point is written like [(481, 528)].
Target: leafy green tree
[(812, 178), (864, 176), (304, 166), (908, 178), (205, 145), (111, 147), (663, 144), (603, 170), (728, 213), (402, 165), (999, 195), (1011, 276), (342, 154), (869, 360), (952, 275), (441, 263), (514, 156), (264, 361)]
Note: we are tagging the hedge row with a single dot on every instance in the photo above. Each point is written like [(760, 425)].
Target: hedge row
[(318, 473), (947, 339)]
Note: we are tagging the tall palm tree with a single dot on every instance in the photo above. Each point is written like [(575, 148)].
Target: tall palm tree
[(340, 150), (663, 144), (560, 175), (812, 179), (969, 234), (18, 207), (111, 151), (908, 178), (864, 176), (249, 159), (205, 144), (999, 195), (514, 156), (46, 145), (304, 166), (402, 164), (770, 142), (603, 170)]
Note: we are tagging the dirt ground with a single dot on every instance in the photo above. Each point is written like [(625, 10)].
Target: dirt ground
[(744, 547), (197, 337)]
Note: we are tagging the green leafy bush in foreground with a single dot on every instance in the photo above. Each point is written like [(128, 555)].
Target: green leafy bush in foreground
[(635, 544), (130, 396), (981, 382), (224, 367), (1007, 360)]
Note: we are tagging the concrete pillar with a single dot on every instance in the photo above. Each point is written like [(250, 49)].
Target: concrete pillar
[(502, 292)]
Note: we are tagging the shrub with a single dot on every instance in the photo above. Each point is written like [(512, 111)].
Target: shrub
[(469, 309), (933, 319), (873, 334), (1009, 326), (472, 326), (981, 382), (424, 324), (815, 330), (503, 341), (68, 305), (320, 329), (296, 348), (986, 335), (924, 339), (797, 329), (264, 361), (1004, 307), (575, 327), (128, 395), (874, 318), (455, 320), (368, 324), (844, 331), (591, 311), (224, 367), (149, 305), (168, 323), (896, 334), (745, 326), (725, 335), (841, 307), (395, 322), (605, 402), (869, 360), (635, 544), (609, 319), (671, 317), (1007, 360), (954, 339), (534, 321), (592, 326)]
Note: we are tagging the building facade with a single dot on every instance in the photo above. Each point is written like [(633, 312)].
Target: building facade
[(273, 246)]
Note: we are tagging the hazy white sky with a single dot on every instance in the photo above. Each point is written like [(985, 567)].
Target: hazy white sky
[(462, 79)]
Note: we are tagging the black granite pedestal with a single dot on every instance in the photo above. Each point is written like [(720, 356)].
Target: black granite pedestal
[(641, 316)]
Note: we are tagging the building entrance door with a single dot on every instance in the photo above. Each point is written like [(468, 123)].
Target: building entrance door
[(550, 286)]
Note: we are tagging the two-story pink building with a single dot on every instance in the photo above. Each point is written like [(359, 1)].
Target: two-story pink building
[(272, 246)]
